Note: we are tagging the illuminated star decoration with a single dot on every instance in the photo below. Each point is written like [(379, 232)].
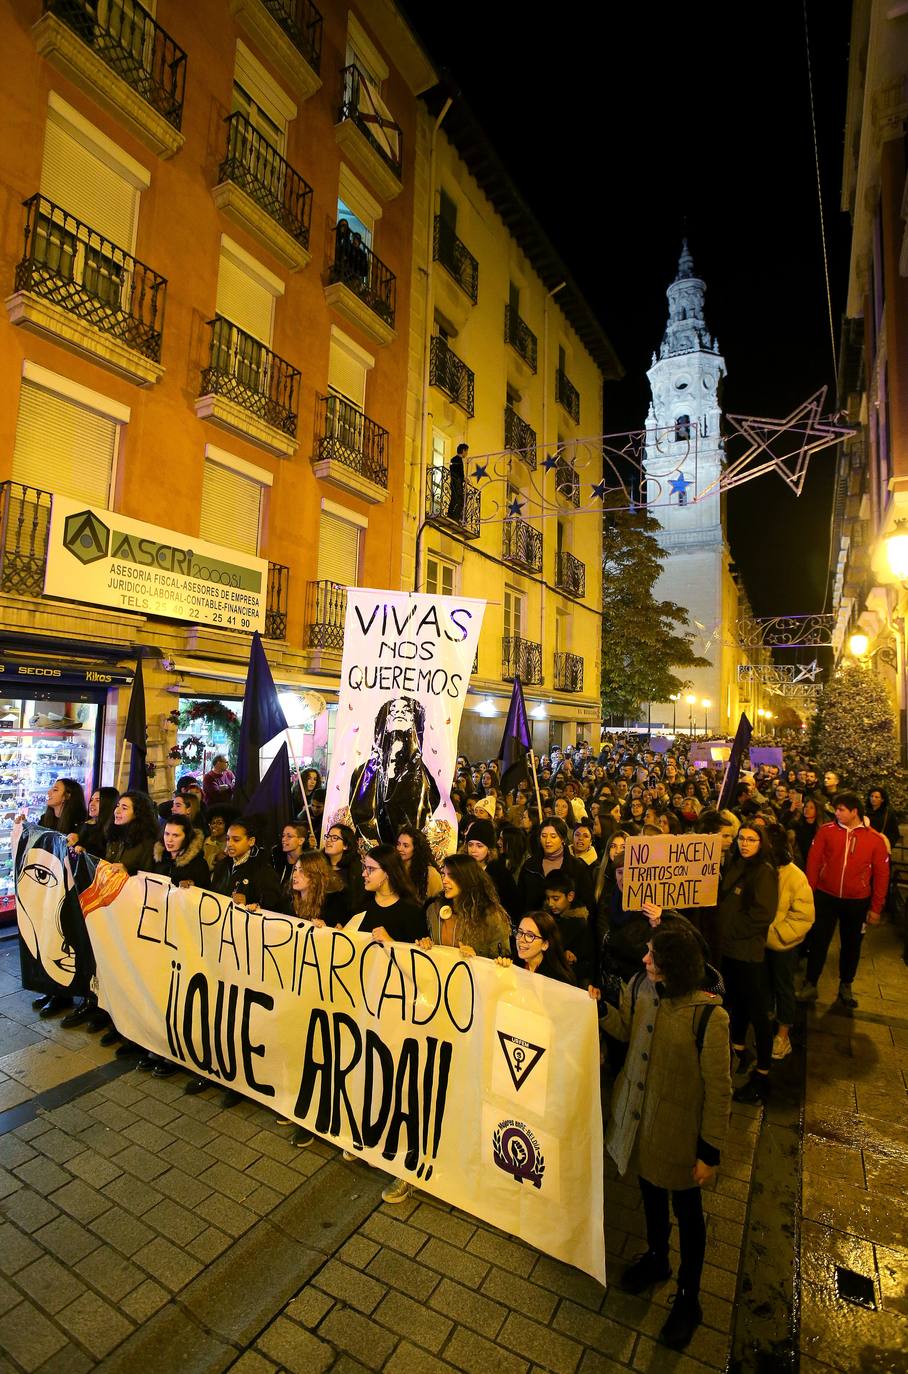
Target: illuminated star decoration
[(599, 490), (805, 671), (481, 470), (516, 506), (679, 485), (806, 433), (550, 461)]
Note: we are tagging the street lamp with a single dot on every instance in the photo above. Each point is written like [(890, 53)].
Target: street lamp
[(897, 554), (674, 699), (691, 702), (858, 644), (706, 703)]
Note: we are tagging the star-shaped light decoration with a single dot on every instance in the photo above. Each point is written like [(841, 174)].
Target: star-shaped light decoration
[(679, 485), (806, 671), (481, 470), (599, 490), (795, 438), (550, 461), (516, 506)]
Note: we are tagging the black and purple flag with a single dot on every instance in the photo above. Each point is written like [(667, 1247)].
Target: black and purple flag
[(263, 718), (516, 742)]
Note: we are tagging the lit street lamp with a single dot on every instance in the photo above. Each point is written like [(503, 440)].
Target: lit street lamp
[(691, 703), (858, 644)]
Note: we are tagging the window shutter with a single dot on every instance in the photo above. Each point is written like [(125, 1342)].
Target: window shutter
[(338, 550), (79, 182), (63, 447), (347, 375), (231, 508), (244, 301)]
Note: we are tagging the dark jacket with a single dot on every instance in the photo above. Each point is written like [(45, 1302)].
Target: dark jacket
[(189, 866), (90, 837), (748, 902), (254, 878), (504, 885), (885, 821), (578, 938), (531, 883), (133, 853)]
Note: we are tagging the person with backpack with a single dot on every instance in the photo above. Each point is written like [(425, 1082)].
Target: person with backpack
[(670, 1110)]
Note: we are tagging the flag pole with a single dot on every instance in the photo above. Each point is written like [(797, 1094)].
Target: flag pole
[(532, 758), (299, 774), (122, 762)]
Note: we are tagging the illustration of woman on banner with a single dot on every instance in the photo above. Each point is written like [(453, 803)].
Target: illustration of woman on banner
[(55, 951), (394, 788)]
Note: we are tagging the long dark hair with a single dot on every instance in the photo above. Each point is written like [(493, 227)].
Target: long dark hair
[(185, 824), (144, 824), (107, 800), (553, 960), (423, 859), (477, 901), (391, 864), (73, 812)]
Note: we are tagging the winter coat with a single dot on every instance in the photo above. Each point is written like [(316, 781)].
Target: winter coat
[(853, 864), (188, 866), (669, 1108), (531, 883), (795, 914), (497, 939), (134, 854), (885, 821), (748, 902), (254, 878), (90, 837), (502, 881), (578, 938)]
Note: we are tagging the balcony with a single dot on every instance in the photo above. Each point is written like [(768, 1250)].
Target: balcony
[(567, 482), (262, 193), (351, 450), (360, 286), (455, 258), (326, 613), (570, 574), (450, 374), (86, 293), (118, 55), (567, 395), (249, 389), (454, 506), (568, 673), (276, 601), (521, 544), (290, 32), (368, 136), (519, 437), (521, 658), (520, 336)]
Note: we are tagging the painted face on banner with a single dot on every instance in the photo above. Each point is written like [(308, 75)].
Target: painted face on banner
[(43, 882)]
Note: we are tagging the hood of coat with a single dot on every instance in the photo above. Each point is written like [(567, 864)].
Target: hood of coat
[(185, 856)]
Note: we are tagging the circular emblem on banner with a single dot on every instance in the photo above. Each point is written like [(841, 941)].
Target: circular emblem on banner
[(516, 1150)]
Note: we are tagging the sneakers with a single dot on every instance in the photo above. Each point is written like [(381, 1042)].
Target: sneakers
[(398, 1190), (647, 1269), (301, 1138), (683, 1320), (808, 993), (780, 1048), (756, 1089), (846, 996)]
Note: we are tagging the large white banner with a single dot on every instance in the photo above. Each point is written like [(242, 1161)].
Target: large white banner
[(404, 678), (479, 1084)]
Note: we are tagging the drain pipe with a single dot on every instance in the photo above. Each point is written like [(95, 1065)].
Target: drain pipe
[(545, 429), (424, 417)]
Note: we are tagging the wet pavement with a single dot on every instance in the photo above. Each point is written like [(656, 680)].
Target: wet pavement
[(140, 1226)]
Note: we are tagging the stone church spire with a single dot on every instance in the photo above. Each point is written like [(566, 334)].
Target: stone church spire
[(686, 330)]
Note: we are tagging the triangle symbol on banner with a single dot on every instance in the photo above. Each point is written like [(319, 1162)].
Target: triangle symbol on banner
[(521, 1057)]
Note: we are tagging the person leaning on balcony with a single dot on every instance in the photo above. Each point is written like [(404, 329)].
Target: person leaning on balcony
[(457, 472)]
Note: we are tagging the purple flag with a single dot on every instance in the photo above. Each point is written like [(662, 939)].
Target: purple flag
[(733, 770), (516, 741), (263, 718), (135, 733)]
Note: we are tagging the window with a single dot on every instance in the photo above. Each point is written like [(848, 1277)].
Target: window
[(562, 632), (439, 576), (258, 97), (90, 176), (682, 428), (447, 211), (559, 537), (232, 492), (338, 549), (357, 206), (514, 613), (66, 438), (348, 367), (562, 359), (246, 291), (439, 449), (362, 51)]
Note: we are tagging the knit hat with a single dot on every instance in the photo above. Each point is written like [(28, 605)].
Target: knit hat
[(484, 832), (484, 808)]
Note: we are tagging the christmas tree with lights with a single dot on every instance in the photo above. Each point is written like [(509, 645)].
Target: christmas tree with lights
[(854, 732)]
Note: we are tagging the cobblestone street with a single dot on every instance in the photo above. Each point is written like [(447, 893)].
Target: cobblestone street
[(143, 1225)]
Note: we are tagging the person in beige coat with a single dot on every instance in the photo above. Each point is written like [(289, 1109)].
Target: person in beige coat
[(670, 1109), (793, 919)]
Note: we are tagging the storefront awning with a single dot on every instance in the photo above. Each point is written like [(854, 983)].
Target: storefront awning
[(197, 671), (47, 674)]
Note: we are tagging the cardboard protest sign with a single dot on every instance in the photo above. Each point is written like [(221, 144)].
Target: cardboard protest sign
[(404, 678), (671, 870), (765, 754), (659, 744), (478, 1084)]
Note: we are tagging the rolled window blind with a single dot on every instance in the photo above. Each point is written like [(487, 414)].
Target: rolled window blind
[(231, 508), (338, 550), (79, 182), (244, 301), (63, 447)]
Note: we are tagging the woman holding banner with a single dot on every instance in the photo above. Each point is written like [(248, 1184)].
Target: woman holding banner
[(539, 948), (318, 893), (392, 908), (419, 861), (468, 916)]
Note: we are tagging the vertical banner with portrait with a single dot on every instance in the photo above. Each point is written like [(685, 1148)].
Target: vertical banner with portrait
[(55, 952), (406, 670)]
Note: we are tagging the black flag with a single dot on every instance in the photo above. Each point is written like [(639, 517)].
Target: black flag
[(516, 741), (135, 733), (733, 767)]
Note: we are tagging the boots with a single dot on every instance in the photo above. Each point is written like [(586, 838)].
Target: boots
[(756, 1089), (847, 997), (647, 1269), (683, 1320)]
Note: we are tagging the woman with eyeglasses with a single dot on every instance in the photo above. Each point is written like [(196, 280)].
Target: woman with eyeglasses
[(392, 909), (539, 948), (339, 848), (748, 902), (468, 916)]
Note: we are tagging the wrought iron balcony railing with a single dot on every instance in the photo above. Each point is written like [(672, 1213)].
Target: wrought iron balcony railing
[(243, 370), (453, 504), (567, 481), (567, 395), (521, 658), (24, 526), (348, 436), (568, 673), (326, 612), (133, 45), (456, 258), (76, 268), (521, 543), (359, 269), (258, 169), (520, 336), (276, 601), (451, 374), (302, 23), (570, 574), (361, 104), (519, 436)]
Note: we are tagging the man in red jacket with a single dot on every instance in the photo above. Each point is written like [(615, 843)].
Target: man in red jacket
[(848, 869)]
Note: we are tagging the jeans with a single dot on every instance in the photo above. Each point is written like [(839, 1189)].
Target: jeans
[(745, 1002), (687, 1206), (780, 972), (850, 913)]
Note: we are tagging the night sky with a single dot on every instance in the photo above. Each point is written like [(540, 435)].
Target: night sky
[(625, 132)]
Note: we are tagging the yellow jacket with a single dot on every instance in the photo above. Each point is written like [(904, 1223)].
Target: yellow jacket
[(795, 914)]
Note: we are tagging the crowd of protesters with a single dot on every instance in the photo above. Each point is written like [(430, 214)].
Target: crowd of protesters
[(695, 1006)]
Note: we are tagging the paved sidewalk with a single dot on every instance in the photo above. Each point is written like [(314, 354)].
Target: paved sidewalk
[(855, 1167), (145, 1228)]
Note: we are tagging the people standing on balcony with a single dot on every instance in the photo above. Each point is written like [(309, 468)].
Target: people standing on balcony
[(351, 258), (457, 477), (218, 783)]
